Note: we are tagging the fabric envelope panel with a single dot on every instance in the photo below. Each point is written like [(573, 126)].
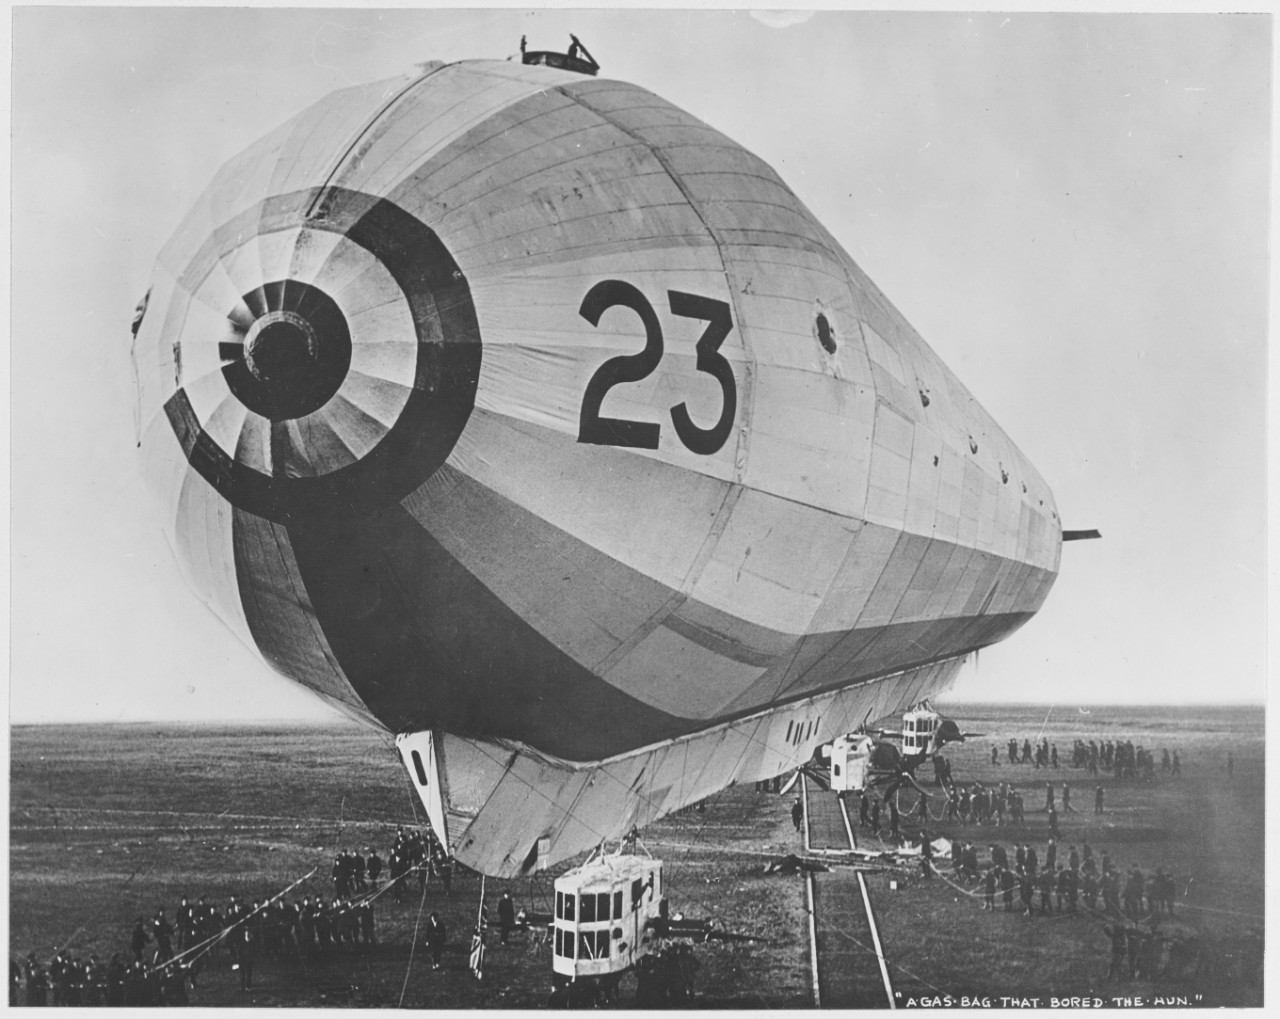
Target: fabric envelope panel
[(203, 529), (893, 582), (890, 466), (583, 602), (855, 578), (774, 562), (928, 576), (305, 150), (924, 482), (650, 515), (810, 439), (671, 672), (411, 133)]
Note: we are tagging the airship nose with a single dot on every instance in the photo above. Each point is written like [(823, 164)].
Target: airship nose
[(295, 355), (280, 346), (326, 354)]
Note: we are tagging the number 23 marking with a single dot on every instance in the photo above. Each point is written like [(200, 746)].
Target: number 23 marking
[(603, 431)]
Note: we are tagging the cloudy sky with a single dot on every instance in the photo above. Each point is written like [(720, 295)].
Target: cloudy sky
[(1072, 210)]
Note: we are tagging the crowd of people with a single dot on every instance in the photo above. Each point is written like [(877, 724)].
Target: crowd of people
[(1121, 758), (1131, 903), (167, 956), (1044, 883)]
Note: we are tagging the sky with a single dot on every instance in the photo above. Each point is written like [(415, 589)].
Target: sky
[(1073, 210)]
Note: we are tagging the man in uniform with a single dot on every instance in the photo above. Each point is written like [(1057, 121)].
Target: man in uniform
[(445, 867), (1090, 885), (139, 939), (506, 916), (1119, 946), (1046, 889), (797, 813), (164, 936), (247, 953), (1099, 797), (989, 881), (1026, 889), (186, 925), (1007, 884), (436, 938)]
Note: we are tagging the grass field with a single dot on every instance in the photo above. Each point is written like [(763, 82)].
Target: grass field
[(110, 822), (1208, 831)]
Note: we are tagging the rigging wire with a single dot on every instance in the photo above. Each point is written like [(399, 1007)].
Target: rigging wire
[(214, 939), (412, 945)]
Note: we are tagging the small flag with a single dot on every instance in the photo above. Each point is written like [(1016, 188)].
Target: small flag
[(477, 954)]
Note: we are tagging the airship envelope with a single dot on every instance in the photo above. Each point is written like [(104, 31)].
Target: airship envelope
[(523, 415)]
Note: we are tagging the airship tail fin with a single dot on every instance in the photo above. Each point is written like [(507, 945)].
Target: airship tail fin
[(422, 753)]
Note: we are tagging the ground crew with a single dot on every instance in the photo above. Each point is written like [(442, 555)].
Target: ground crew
[(164, 936), (247, 943), (436, 937), (1119, 946), (139, 939), (1090, 883), (1046, 889), (507, 915), (797, 813)]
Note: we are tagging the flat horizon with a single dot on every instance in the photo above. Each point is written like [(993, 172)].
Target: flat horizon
[(339, 720)]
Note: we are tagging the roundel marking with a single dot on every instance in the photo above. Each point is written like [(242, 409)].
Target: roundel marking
[(295, 355), (297, 352)]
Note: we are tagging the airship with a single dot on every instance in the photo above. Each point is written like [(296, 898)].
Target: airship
[(520, 414)]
